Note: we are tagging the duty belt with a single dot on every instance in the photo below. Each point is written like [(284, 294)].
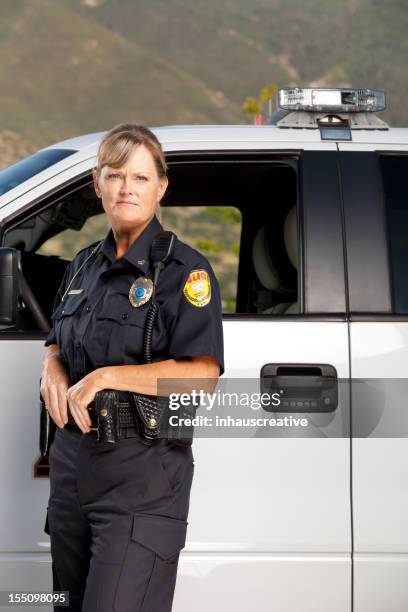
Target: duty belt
[(126, 417), (148, 414)]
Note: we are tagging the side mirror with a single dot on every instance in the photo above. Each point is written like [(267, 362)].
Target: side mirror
[(9, 286)]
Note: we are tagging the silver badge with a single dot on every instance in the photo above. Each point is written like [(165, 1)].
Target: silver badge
[(140, 291)]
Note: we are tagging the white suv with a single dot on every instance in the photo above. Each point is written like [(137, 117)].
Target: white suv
[(305, 221)]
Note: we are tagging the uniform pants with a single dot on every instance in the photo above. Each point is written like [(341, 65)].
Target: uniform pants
[(117, 520)]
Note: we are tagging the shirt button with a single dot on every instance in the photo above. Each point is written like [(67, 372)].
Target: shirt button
[(88, 309), (78, 345), (124, 315)]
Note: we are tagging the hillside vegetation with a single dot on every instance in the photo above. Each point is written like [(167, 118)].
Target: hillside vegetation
[(75, 66)]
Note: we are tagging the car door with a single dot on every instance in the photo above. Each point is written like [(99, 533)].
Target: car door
[(24, 547), (375, 185), (270, 521)]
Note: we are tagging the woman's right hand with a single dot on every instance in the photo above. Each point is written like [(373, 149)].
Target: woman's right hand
[(54, 385)]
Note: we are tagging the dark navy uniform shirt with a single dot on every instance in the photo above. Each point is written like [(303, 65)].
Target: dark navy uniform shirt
[(96, 325)]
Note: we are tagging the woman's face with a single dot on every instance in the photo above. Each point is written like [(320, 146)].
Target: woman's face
[(130, 194)]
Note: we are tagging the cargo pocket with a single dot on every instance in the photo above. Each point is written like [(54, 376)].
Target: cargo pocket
[(153, 553), (176, 466)]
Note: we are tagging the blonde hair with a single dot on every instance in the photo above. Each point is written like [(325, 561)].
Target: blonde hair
[(118, 144)]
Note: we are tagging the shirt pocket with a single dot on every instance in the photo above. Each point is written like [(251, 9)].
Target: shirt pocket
[(69, 306), (62, 321), (122, 325)]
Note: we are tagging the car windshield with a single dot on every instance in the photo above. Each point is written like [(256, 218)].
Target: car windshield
[(30, 166)]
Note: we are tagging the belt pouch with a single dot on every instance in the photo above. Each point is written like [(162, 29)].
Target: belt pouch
[(107, 413), (180, 432), (150, 414)]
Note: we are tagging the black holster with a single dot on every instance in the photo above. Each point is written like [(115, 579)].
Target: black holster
[(47, 429)]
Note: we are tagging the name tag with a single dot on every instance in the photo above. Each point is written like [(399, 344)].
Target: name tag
[(75, 291)]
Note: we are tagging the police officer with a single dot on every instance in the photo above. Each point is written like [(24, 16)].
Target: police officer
[(117, 514)]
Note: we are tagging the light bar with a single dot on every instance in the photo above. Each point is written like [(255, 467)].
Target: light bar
[(340, 100)]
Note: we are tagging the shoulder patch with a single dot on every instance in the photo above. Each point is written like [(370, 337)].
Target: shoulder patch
[(197, 289)]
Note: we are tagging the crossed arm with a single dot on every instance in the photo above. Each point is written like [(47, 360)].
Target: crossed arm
[(59, 396)]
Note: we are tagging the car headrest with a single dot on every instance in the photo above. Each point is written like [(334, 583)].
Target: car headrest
[(263, 264), (290, 236)]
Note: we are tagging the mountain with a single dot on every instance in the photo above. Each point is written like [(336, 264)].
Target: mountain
[(75, 66)]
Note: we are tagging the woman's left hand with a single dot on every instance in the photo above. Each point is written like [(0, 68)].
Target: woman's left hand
[(80, 395)]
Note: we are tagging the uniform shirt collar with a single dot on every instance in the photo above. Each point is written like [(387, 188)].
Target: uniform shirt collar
[(139, 251)]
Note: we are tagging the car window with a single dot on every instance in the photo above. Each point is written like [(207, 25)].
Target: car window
[(215, 231), (67, 243), (395, 183), (30, 166), (240, 214), (191, 224)]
